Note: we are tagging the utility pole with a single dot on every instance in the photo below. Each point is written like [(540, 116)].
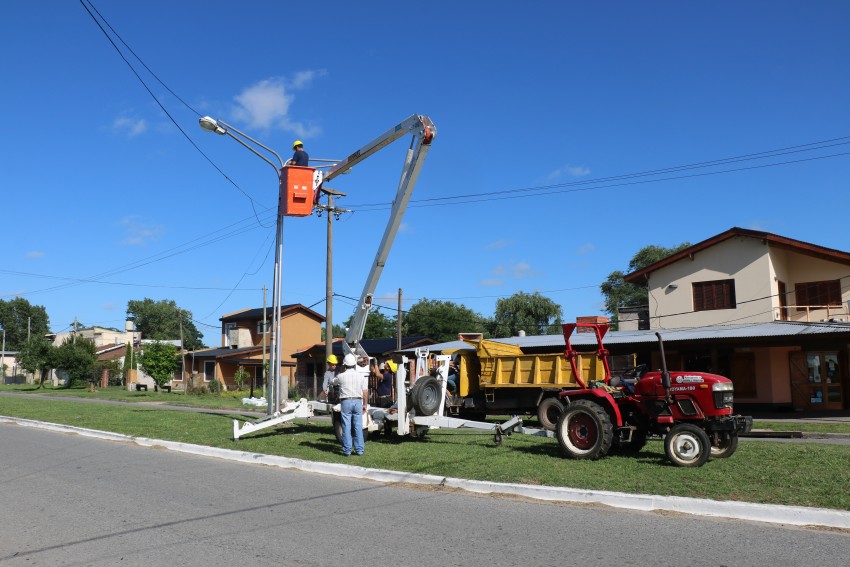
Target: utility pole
[(182, 350), (332, 213), (398, 323), (74, 334)]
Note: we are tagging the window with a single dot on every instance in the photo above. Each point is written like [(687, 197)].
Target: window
[(262, 327), (227, 328), (817, 294), (178, 373), (717, 294)]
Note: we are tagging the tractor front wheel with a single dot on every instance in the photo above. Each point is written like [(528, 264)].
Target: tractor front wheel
[(687, 445), (584, 430)]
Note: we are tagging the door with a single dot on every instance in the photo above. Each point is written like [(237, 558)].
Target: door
[(742, 371), (816, 380), (783, 302)]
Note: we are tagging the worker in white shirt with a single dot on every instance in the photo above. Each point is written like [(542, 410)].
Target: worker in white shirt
[(354, 395)]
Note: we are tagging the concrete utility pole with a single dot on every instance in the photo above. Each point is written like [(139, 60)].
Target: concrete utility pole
[(265, 342), (332, 213), (398, 323)]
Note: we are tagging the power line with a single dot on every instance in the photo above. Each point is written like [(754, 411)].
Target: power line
[(575, 186), (161, 106)]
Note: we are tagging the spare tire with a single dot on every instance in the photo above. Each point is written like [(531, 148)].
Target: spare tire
[(425, 395), (548, 412)]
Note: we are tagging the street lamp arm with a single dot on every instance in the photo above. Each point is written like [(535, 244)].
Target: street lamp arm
[(247, 137)]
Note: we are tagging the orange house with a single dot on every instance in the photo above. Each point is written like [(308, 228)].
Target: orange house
[(243, 336)]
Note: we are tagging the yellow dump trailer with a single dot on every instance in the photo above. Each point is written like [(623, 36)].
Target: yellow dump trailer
[(500, 378)]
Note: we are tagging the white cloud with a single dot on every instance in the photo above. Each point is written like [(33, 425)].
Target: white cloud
[(35, 254), (492, 282), (522, 270), (586, 248), (498, 244), (109, 307), (568, 171), (138, 232), (404, 227), (499, 270), (131, 127), (266, 104)]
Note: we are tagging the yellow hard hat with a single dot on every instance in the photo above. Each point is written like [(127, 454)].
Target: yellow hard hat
[(297, 143), (332, 359), (392, 365)]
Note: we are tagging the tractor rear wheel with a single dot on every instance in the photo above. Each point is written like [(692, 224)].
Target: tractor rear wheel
[(548, 412), (687, 445), (584, 430), (724, 444)]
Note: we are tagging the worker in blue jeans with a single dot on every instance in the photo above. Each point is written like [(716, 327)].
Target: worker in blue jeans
[(354, 396)]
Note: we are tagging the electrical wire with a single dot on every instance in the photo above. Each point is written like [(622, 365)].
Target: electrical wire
[(161, 106)]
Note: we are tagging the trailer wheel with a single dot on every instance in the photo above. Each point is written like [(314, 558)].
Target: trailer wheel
[(584, 430), (687, 445), (425, 395), (724, 444), (548, 412), (336, 419)]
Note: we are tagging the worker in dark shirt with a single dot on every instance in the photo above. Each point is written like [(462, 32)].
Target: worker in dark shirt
[(300, 157)]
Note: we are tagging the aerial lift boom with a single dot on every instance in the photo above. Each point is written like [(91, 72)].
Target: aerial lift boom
[(423, 131)]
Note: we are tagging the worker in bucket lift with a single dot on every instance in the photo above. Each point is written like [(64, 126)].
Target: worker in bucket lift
[(300, 157), (330, 373), (354, 395)]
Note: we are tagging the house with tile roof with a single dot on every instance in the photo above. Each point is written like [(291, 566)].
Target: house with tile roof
[(797, 295)]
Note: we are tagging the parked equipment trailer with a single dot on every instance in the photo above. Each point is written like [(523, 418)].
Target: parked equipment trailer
[(499, 378)]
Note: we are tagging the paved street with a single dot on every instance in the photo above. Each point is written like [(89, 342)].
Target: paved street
[(71, 500)]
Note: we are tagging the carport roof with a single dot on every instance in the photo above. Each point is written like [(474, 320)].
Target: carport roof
[(774, 329)]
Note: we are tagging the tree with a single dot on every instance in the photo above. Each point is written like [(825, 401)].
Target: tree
[(159, 361), (77, 359), (160, 321), (37, 355), (21, 319), (378, 326), (618, 293), (530, 312), (442, 320), (339, 331)]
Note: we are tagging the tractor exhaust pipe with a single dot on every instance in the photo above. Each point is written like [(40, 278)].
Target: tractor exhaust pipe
[(665, 375)]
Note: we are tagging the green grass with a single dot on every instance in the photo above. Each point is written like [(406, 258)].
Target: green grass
[(228, 400), (802, 474), (803, 426)]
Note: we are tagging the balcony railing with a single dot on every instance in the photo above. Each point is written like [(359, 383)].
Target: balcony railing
[(812, 313)]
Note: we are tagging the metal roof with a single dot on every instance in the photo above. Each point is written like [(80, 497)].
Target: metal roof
[(772, 329)]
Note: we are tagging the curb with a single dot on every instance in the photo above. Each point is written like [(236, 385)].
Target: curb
[(768, 513)]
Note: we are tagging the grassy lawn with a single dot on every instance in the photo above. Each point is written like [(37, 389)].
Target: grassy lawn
[(228, 400), (803, 426), (802, 474)]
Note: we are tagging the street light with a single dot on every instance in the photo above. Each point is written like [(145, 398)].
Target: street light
[(222, 128)]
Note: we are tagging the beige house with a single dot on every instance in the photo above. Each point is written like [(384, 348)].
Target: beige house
[(769, 312), (100, 336)]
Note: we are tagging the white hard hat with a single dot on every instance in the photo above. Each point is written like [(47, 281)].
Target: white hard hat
[(349, 360)]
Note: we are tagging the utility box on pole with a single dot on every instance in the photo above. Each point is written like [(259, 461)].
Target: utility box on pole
[(296, 191)]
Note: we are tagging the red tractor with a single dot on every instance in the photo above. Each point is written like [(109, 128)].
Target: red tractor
[(691, 410)]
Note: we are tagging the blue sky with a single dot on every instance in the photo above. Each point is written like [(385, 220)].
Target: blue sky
[(104, 200)]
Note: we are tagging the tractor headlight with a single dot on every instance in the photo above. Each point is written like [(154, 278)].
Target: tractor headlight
[(724, 394)]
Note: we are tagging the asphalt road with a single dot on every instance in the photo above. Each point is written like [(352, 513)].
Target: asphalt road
[(72, 500)]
